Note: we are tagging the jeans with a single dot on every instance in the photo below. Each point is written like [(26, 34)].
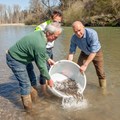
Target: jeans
[(50, 54), (23, 75), (31, 74), (97, 61)]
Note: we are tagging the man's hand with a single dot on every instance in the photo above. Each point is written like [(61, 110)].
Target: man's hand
[(70, 57), (51, 62), (50, 82), (83, 68)]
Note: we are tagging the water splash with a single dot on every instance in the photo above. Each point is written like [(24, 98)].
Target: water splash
[(74, 103), (72, 98)]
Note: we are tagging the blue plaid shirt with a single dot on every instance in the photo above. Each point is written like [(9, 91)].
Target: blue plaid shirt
[(89, 43)]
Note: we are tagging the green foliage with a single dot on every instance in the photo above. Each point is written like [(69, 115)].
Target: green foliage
[(94, 12), (74, 12)]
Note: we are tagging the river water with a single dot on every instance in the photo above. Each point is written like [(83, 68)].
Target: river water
[(100, 105)]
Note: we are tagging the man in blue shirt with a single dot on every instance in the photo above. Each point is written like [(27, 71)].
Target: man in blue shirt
[(87, 41)]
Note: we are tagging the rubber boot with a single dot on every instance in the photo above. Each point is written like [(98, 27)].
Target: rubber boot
[(35, 87), (27, 102), (44, 90), (34, 94), (102, 83)]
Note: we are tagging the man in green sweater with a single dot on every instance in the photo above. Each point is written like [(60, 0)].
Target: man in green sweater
[(30, 48)]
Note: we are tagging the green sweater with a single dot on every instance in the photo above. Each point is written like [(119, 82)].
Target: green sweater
[(32, 48)]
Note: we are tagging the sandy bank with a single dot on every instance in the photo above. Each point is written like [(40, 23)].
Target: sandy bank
[(22, 24)]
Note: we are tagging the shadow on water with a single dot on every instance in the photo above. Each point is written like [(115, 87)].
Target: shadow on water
[(10, 91)]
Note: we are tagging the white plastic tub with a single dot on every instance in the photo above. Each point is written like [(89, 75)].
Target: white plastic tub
[(63, 70)]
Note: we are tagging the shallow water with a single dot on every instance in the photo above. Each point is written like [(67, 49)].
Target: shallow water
[(101, 105)]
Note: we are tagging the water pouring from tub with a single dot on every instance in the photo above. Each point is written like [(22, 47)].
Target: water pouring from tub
[(69, 84)]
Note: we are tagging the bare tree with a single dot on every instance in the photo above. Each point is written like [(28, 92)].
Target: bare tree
[(35, 10), (66, 4), (5, 17), (2, 13), (50, 5), (16, 13), (10, 14)]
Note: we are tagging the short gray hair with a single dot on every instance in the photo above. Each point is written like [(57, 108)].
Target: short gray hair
[(53, 27)]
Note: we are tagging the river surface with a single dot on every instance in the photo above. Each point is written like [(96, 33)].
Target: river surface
[(100, 104)]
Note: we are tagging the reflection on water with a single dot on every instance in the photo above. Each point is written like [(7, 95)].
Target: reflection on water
[(103, 105)]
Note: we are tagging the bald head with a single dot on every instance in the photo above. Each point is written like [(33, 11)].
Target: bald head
[(78, 28), (77, 23)]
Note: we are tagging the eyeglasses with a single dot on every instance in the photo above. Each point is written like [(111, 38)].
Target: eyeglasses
[(57, 22)]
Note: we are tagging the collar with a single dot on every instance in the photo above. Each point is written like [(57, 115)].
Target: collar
[(84, 36)]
